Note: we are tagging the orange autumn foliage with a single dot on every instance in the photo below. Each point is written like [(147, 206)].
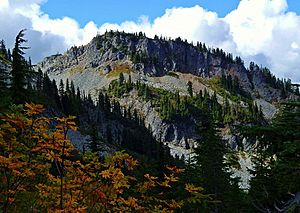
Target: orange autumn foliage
[(40, 171)]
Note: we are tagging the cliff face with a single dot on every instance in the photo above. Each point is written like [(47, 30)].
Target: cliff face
[(152, 57), (160, 63)]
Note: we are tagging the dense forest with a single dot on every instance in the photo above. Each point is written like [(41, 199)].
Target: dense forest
[(41, 170)]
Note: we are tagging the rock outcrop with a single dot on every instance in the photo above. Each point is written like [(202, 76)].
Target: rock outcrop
[(152, 61)]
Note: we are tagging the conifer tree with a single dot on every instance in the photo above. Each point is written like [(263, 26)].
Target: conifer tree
[(95, 140), (276, 172), (210, 169), (19, 71), (3, 50), (72, 89), (3, 79), (39, 81), (61, 89), (121, 79), (190, 88)]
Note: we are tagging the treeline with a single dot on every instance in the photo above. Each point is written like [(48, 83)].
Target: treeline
[(173, 107), (140, 57), (232, 85), (284, 85)]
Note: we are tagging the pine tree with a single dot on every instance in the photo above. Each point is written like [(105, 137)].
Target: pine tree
[(78, 94), (190, 88), (55, 97), (39, 81), (276, 171), (67, 87), (4, 91), (19, 71), (121, 79), (209, 168), (3, 79), (61, 90), (72, 89), (95, 140), (3, 50)]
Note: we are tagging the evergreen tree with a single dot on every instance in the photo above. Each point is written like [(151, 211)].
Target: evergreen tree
[(190, 88), (19, 71), (5, 96), (56, 97), (3, 50), (3, 79), (78, 94), (276, 172), (47, 86), (210, 169), (72, 89), (121, 78), (67, 87), (95, 140), (61, 90), (39, 81)]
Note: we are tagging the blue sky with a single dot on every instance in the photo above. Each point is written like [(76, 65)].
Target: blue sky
[(117, 11)]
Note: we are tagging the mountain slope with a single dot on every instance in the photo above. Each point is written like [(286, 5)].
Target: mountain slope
[(169, 65)]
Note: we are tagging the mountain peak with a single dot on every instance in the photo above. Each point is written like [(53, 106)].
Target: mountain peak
[(115, 52)]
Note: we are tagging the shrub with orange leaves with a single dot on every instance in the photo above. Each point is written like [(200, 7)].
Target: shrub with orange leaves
[(39, 172)]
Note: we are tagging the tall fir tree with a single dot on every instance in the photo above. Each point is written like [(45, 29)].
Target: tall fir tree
[(209, 169), (20, 72)]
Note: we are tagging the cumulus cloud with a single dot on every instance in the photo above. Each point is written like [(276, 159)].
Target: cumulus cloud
[(45, 36), (259, 30), (265, 28), (193, 24)]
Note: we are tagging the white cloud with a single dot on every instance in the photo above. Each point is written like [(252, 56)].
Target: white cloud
[(45, 36), (193, 24), (4, 4), (264, 27), (258, 30)]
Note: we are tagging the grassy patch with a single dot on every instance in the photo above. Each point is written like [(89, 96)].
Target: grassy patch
[(120, 68), (215, 84), (173, 74), (201, 80), (77, 69)]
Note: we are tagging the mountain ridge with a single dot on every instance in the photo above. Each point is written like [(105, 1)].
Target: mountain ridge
[(169, 65), (157, 57)]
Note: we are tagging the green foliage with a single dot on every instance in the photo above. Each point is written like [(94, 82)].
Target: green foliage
[(277, 160), (95, 140), (209, 168), (173, 107), (231, 84)]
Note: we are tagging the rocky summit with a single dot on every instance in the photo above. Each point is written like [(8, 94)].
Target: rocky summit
[(167, 64)]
